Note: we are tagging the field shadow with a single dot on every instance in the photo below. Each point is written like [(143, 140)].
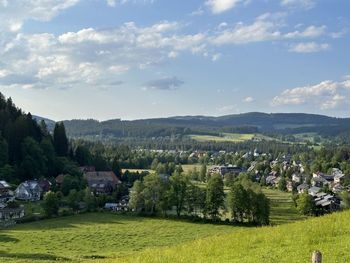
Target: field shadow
[(5, 238), (32, 257), (74, 221)]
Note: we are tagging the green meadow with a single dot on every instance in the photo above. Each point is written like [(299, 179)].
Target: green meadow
[(230, 137), (226, 137), (107, 238), (288, 243), (88, 237)]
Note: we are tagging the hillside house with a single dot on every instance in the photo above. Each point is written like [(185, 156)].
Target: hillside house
[(29, 191), (271, 180), (327, 202), (297, 178), (319, 181), (314, 190), (102, 182), (45, 185), (339, 178), (6, 195), (303, 188), (289, 186)]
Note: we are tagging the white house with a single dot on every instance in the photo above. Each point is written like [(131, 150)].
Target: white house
[(28, 191)]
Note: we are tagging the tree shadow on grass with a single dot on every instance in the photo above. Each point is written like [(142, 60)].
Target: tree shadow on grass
[(75, 220), (32, 257), (5, 238)]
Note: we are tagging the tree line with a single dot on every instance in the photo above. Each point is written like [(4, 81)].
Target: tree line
[(158, 194)]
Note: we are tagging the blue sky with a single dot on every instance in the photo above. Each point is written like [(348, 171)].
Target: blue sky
[(132, 59)]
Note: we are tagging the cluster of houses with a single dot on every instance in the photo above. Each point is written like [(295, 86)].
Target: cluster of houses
[(100, 182), (8, 213), (322, 187)]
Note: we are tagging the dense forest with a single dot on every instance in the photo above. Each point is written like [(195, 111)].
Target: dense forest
[(28, 150)]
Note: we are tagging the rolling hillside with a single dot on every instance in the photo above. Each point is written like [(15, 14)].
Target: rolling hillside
[(246, 123)]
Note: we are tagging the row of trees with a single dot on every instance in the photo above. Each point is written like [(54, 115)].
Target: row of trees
[(160, 194)]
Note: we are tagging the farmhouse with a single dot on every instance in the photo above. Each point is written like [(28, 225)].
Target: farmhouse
[(29, 191), (102, 182)]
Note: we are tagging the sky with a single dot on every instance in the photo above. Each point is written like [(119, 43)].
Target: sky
[(133, 59)]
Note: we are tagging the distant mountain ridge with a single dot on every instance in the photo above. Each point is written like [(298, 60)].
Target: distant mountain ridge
[(242, 123)]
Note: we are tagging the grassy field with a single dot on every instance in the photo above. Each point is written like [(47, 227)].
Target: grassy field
[(231, 137), (87, 236), (285, 243), (105, 237), (283, 209), (226, 137)]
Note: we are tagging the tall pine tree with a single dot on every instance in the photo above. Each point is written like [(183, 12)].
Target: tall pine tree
[(60, 139)]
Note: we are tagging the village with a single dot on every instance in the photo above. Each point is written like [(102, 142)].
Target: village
[(284, 174)]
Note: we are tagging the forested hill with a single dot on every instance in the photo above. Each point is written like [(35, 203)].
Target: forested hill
[(287, 123), (28, 150)]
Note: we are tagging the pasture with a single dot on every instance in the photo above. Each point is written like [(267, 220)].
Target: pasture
[(286, 243)]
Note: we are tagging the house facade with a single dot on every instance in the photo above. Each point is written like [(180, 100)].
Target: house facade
[(29, 191)]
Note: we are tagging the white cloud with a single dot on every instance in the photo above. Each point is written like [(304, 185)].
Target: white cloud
[(14, 13), (325, 95), (216, 57), (266, 27), (310, 47), (112, 3), (248, 99), (261, 30), (309, 32), (305, 4), (91, 56), (220, 6)]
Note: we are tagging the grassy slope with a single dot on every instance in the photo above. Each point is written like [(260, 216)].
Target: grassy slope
[(134, 239), (109, 235), (285, 243), (283, 209)]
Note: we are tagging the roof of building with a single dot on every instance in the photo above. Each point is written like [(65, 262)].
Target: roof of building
[(4, 184), (106, 176)]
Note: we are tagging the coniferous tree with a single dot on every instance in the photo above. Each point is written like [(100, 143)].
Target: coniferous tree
[(60, 139), (215, 196)]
